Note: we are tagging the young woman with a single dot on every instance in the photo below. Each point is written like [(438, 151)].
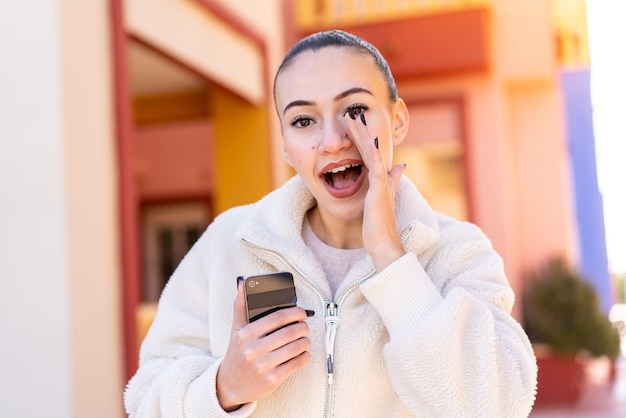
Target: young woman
[(412, 308)]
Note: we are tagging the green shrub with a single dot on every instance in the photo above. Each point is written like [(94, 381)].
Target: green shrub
[(561, 310)]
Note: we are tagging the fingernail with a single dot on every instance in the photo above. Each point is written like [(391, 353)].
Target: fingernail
[(309, 313), (404, 165), (363, 119), (376, 142), (239, 279)]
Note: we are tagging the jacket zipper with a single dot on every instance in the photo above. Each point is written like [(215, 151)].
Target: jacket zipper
[(332, 323), (331, 316)]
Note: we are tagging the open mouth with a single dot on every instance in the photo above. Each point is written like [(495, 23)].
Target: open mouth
[(344, 176)]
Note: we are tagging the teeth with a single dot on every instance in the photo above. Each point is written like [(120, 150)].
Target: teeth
[(343, 168)]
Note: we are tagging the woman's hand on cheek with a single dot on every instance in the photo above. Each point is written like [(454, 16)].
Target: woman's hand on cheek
[(380, 236), (262, 354)]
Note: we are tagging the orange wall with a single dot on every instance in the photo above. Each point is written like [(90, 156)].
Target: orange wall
[(243, 151)]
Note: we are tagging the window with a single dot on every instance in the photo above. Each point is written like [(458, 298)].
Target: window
[(169, 231), (434, 152)]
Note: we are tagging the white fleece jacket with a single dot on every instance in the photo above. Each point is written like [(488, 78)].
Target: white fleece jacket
[(430, 336)]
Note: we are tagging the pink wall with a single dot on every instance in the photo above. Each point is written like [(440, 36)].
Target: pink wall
[(544, 179), (517, 159), (516, 167), (175, 160)]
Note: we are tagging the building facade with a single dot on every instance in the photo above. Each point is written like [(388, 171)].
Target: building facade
[(128, 125)]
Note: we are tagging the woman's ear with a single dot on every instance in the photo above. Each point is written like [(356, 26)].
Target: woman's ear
[(400, 123)]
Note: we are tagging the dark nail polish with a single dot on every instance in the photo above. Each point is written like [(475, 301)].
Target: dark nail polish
[(239, 279), (376, 142), (363, 119), (309, 313)]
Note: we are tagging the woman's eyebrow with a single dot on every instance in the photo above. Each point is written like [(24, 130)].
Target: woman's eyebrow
[(338, 97), (298, 103), (353, 90)]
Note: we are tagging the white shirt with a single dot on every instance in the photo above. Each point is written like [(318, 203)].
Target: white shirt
[(336, 262)]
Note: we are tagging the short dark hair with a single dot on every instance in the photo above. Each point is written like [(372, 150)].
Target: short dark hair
[(339, 38)]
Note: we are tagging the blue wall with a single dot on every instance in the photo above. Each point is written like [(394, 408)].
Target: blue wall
[(588, 200)]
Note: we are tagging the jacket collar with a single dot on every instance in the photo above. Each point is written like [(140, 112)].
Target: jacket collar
[(275, 224)]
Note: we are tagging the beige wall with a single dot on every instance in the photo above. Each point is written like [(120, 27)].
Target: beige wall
[(193, 35), (93, 262), (61, 346)]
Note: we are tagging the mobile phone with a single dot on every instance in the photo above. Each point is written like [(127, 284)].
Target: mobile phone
[(267, 293)]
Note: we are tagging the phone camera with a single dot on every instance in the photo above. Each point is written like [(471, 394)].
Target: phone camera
[(252, 283)]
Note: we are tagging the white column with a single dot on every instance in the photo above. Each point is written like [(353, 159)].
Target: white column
[(60, 326), (35, 335)]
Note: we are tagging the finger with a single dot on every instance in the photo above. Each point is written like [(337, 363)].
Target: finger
[(240, 313), (285, 335), (369, 146), (274, 377), (277, 320), (286, 353), (378, 168), (361, 137), (396, 174), (296, 363)]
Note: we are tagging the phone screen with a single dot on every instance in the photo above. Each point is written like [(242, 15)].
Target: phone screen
[(267, 293)]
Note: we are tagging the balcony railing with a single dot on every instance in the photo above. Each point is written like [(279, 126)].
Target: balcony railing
[(312, 14)]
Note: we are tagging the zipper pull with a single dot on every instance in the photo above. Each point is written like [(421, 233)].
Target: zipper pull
[(332, 322)]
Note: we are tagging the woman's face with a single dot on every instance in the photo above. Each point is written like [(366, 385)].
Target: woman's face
[(313, 94)]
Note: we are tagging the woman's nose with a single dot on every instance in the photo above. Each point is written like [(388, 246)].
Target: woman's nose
[(335, 137)]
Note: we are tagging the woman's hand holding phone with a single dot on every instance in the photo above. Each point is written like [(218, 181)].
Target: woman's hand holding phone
[(261, 355)]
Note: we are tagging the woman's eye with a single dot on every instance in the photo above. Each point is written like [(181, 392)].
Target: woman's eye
[(356, 109), (301, 121)]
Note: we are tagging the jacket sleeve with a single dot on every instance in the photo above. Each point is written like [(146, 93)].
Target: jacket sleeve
[(454, 348), (176, 375)]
